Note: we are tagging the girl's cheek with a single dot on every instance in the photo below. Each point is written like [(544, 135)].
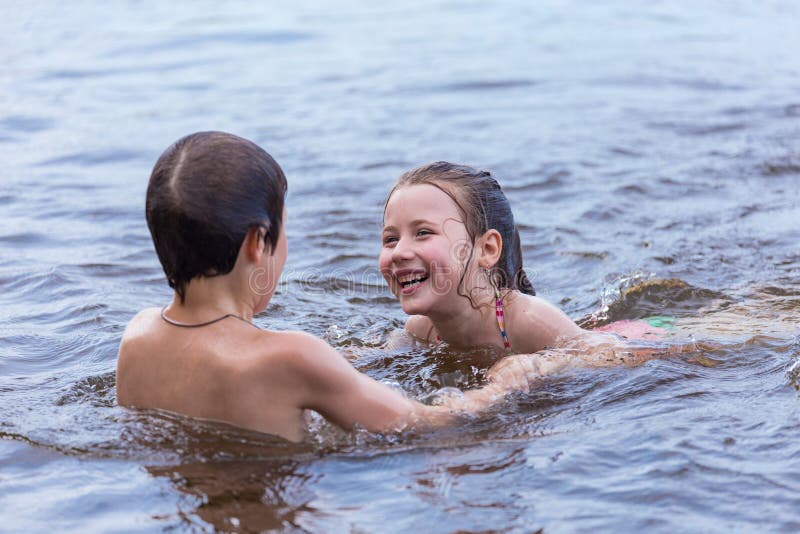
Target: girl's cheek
[(383, 261)]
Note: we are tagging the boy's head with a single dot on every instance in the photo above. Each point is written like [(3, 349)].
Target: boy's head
[(205, 192)]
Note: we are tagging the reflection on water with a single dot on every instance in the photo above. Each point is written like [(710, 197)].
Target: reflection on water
[(251, 496), (649, 153)]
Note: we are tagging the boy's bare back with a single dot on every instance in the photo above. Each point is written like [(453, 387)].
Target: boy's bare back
[(229, 371)]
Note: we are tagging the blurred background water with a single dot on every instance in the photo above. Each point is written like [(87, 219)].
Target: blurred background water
[(650, 152)]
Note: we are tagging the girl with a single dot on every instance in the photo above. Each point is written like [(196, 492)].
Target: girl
[(451, 254)]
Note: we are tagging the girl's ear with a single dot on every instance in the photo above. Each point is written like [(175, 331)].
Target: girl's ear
[(255, 243), (490, 246)]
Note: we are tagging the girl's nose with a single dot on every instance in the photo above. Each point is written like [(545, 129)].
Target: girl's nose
[(402, 250)]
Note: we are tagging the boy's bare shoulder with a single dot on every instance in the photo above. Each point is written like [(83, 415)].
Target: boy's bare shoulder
[(307, 358), (420, 327), (141, 327), (296, 349)]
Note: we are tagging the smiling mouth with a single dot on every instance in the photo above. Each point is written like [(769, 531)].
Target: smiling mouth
[(412, 281)]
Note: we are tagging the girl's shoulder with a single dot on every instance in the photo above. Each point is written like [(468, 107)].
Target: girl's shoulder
[(421, 327), (534, 323)]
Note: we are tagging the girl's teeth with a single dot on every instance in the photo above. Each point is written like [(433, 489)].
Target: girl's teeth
[(405, 282)]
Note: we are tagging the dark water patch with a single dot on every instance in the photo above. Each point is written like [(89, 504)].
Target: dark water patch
[(28, 240), (603, 213), (666, 260), (632, 189), (79, 74), (745, 211), (587, 255), (690, 186), (550, 182), (111, 213), (113, 270), (780, 291), (191, 42), (392, 164), (699, 84), (347, 258), (76, 75), (6, 200), (695, 84), (63, 183), (792, 110), (484, 85), (97, 391), (788, 165), (716, 128), (338, 237), (626, 152), (689, 129), (565, 230), (736, 111), (97, 157), (25, 123), (192, 87)]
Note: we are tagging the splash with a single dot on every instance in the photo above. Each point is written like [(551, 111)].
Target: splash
[(641, 295)]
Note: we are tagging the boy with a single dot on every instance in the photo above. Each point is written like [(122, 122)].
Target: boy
[(215, 210)]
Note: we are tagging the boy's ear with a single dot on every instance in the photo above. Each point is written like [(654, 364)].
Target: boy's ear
[(491, 246), (255, 243)]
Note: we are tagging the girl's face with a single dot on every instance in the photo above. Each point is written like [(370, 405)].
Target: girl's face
[(425, 247)]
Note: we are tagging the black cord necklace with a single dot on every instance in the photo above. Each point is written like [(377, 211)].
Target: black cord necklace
[(198, 325)]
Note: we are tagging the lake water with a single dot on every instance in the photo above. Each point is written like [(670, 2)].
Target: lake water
[(650, 150)]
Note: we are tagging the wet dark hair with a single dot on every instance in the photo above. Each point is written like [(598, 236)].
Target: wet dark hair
[(485, 207), (205, 192)]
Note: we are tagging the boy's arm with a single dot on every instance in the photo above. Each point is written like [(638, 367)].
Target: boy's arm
[(346, 397)]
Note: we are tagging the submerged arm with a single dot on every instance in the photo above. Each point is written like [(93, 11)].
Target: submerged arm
[(588, 349)]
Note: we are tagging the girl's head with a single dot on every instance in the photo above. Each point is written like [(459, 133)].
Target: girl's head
[(206, 192), (479, 205)]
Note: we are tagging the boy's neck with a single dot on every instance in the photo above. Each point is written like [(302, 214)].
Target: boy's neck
[(209, 297)]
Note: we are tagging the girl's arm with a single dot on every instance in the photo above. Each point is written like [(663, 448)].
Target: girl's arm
[(588, 349)]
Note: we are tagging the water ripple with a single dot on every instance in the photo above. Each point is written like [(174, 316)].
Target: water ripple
[(96, 157)]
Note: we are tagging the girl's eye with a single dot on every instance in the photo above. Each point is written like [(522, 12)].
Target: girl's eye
[(424, 232), (389, 240)]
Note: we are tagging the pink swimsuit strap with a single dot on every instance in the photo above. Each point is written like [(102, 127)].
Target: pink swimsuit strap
[(498, 306)]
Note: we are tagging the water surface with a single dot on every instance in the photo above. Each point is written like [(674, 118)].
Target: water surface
[(646, 146)]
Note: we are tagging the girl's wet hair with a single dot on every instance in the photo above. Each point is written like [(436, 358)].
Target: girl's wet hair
[(205, 192), (485, 207)]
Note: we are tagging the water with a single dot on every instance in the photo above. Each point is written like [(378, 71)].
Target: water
[(638, 142)]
